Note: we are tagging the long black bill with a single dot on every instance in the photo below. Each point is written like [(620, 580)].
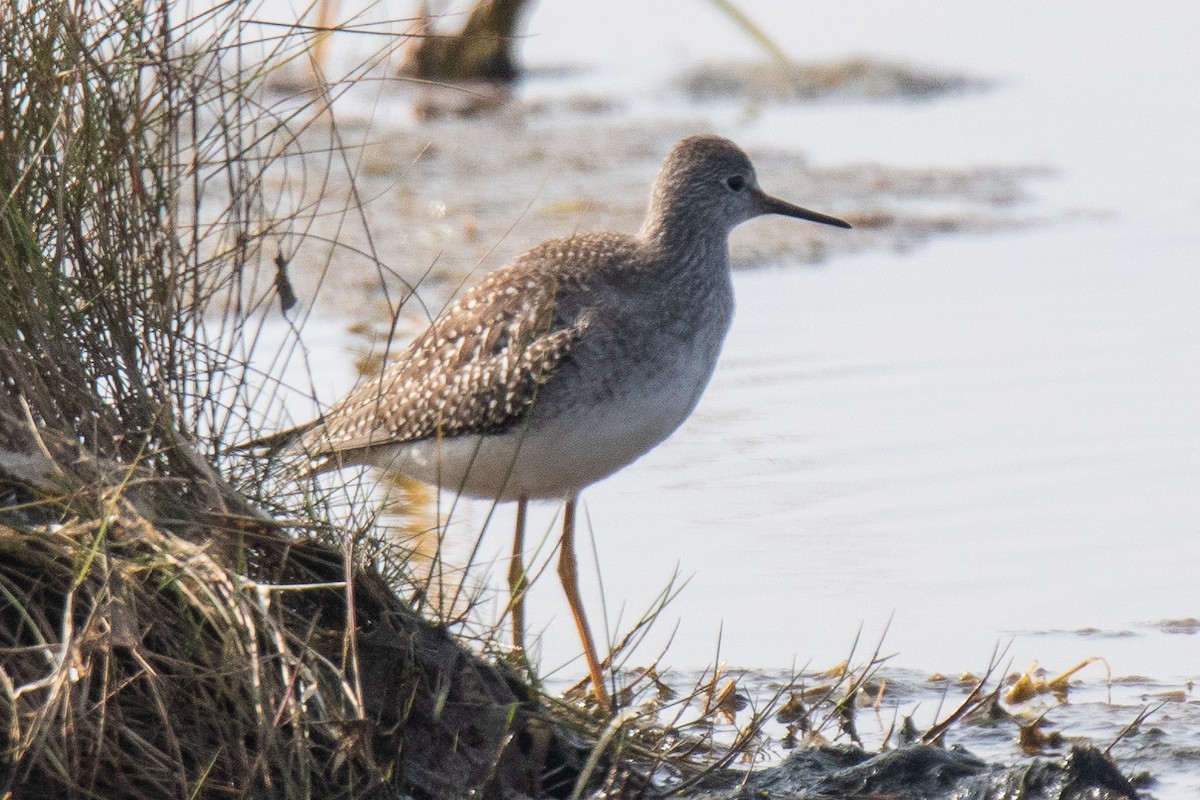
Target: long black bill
[(773, 205)]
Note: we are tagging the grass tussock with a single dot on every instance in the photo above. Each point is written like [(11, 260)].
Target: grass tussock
[(137, 664), (96, 302)]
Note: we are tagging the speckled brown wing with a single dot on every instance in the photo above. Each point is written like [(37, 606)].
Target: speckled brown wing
[(476, 370)]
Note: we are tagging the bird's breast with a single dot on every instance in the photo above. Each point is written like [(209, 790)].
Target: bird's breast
[(627, 390)]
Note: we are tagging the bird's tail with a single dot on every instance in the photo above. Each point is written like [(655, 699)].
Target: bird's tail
[(287, 442), (272, 443)]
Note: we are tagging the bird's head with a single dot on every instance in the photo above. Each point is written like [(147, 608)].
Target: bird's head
[(707, 185)]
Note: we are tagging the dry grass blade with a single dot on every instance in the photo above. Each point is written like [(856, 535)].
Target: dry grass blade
[(1134, 725), (974, 699)]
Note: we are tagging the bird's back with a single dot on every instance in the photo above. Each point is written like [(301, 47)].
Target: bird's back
[(478, 366)]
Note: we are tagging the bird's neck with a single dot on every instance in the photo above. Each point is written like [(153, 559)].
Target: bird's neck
[(689, 272), (683, 243)]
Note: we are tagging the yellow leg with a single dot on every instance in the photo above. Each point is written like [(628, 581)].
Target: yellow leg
[(518, 582), (570, 581)]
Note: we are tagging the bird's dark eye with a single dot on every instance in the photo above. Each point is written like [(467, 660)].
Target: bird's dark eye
[(736, 182)]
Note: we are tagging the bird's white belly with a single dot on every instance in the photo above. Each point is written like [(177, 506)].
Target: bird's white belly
[(577, 446)]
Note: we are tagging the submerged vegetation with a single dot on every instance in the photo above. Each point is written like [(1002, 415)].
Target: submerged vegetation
[(180, 621)]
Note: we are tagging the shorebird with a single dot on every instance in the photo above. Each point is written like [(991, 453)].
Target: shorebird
[(564, 366)]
